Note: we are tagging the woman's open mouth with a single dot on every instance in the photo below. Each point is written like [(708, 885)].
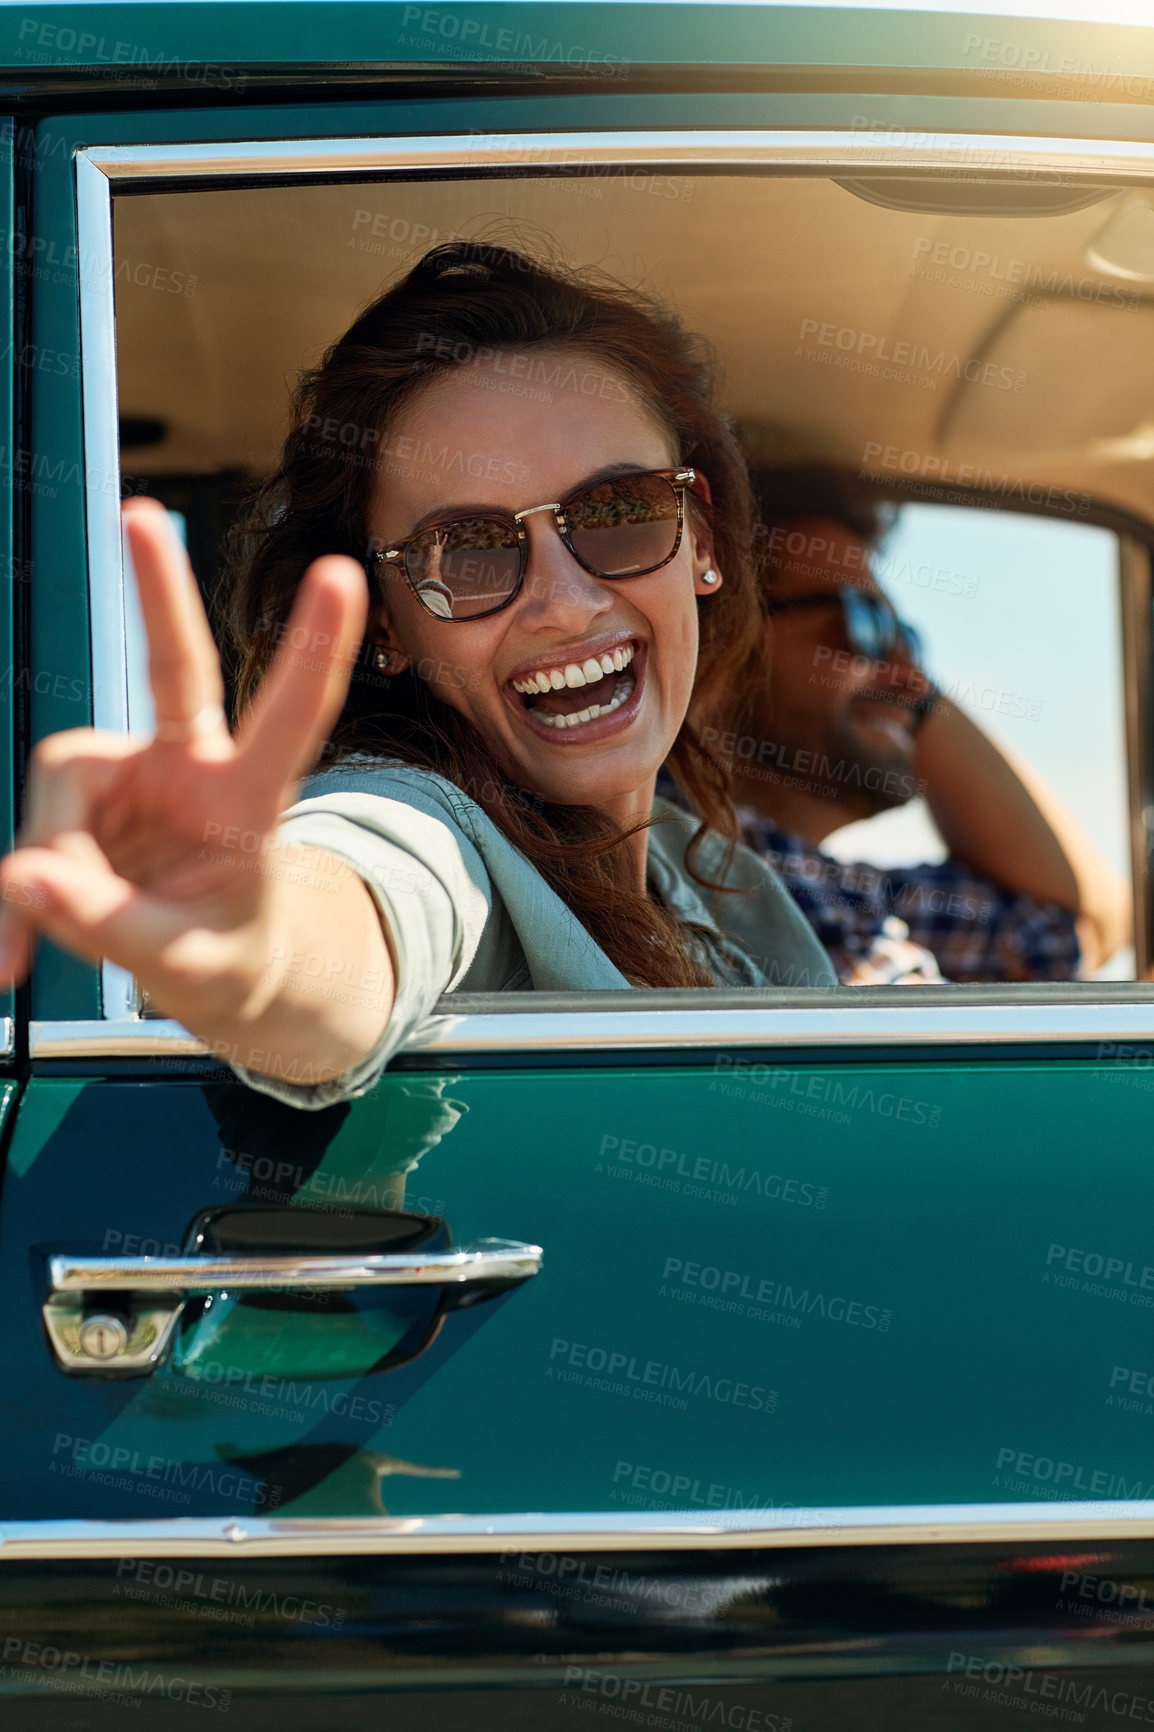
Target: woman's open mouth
[(569, 699)]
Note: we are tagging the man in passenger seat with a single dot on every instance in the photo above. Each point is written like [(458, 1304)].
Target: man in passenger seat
[(846, 724)]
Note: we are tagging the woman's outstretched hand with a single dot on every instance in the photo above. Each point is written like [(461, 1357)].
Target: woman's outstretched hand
[(161, 853)]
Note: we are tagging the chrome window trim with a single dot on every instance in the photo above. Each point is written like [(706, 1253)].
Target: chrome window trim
[(1136, 596), (593, 1031), (666, 1530), (116, 1037), (817, 151), (107, 627)]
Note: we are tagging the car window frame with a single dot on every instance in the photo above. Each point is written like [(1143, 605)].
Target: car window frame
[(1074, 1014)]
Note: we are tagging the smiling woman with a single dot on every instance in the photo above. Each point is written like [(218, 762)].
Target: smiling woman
[(561, 591)]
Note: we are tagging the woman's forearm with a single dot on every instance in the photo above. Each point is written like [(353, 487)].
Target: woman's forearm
[(999, 816), (315, 987)]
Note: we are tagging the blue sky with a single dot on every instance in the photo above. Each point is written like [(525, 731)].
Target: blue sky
[(1022, 623)]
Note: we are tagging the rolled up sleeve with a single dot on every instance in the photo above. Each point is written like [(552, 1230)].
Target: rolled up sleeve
[(434, 897)]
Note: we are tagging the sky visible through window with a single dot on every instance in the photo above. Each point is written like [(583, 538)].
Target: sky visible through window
[(1020, 615)]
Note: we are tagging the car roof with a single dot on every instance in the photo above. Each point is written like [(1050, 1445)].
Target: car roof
[(108, 37)]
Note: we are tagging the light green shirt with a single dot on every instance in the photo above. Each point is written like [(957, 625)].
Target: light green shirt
[(464, 911)]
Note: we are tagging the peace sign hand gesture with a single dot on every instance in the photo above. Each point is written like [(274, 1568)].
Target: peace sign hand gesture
[(161, 854)]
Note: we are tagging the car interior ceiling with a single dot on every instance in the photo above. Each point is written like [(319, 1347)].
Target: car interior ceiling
[(783, 275)]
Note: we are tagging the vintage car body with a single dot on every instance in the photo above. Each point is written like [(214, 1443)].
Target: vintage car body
[(830, 1402)]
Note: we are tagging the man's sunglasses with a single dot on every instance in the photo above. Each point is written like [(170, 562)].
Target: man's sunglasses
[(872, 628), (473, 565)]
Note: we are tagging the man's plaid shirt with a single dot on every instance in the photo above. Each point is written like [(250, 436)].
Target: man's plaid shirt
[(974, 927)]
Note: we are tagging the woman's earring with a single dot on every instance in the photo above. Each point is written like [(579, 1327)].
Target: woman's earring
[(709, 576), (384, 660)]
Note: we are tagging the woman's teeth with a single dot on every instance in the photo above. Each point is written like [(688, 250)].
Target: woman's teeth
[(593, 711), (547, 690), (589, 672)]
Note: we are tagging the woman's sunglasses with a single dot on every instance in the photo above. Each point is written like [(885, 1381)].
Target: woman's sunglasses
[(474, 565), (871, 627)]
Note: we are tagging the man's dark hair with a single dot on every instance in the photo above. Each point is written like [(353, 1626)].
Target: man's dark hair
[(790, 492)]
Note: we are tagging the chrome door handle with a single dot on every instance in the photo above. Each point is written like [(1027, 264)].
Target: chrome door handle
[(486, 1260), (88, 1332)]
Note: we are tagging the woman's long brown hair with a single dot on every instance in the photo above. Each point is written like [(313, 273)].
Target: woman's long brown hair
[(460, 301)]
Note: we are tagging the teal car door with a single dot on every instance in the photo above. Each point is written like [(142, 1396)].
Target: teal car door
[(729, 1316), (754, 1220)]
